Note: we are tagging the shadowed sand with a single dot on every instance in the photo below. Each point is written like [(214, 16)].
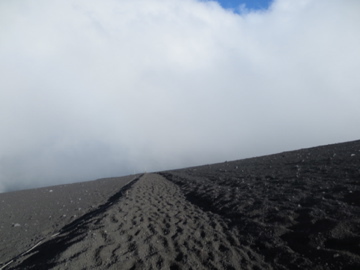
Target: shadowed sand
[(30, 216), (294, 210)]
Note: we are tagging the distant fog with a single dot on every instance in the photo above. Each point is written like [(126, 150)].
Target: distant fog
[(93, 89)]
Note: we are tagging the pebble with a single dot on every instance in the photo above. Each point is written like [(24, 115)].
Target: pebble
[(16, 225)]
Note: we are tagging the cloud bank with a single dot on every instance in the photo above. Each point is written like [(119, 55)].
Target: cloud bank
[(91, 89)]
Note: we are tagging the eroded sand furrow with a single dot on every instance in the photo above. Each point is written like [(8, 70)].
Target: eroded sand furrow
[(159, 229), (154, 227)]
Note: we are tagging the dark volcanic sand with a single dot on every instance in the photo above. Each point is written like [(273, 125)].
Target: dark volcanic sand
[(28, 216), (299, 209), (294, 210)]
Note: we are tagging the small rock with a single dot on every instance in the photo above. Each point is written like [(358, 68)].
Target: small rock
[(336, 255), (50, 190), (16, 225)]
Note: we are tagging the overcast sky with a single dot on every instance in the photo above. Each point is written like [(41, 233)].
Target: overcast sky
[(92, 89)]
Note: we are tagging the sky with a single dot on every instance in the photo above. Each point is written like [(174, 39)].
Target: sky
[(238, 6), (92, 89)]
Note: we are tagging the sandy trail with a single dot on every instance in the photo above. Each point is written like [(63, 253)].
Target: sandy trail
[(159, 229), (152, 226)]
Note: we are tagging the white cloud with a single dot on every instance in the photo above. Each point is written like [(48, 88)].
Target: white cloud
[(97, 88)]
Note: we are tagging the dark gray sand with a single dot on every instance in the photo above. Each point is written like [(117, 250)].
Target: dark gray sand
[(29, 216), (294, 210)]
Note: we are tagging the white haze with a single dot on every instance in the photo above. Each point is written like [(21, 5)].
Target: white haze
[(92, 88)]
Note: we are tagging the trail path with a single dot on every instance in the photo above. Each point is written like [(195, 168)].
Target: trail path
[(153, 226)]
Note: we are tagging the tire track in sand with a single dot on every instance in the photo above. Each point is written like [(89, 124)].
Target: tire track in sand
[(155, 227)]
